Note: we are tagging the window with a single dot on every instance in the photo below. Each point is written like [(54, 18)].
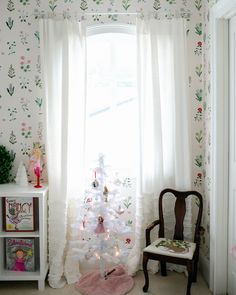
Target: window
[(112, 97)]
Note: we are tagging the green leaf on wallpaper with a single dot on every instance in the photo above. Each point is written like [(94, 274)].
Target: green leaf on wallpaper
[(39, 102), (25, 149), (12, 138), (198, 4), (36, 34), (199, 136), (52, 4), (10, 23), (198, 161), (96, 17), (157, 5), (11, 47), (126, 4), (113, 17), (98, 1), (209, 87), (198, 29), (171, 1), (11, 72), (11, 89), (84, 5), (38, 81), (24, 2), (12, 114), (198, 94), (10, 5), (198, 70)]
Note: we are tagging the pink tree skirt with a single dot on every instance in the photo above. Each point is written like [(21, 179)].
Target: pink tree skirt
[(116, 283)]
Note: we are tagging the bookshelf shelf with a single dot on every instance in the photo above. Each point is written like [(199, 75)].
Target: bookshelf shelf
[(38, 235)]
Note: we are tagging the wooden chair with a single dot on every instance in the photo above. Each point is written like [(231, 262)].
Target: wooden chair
[(175, 251)]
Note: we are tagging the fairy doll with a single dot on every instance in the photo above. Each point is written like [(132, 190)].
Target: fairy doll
[(36, 162), (100, 226)]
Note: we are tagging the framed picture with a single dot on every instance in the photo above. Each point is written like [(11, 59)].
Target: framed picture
[(20, 254), (19, 214)]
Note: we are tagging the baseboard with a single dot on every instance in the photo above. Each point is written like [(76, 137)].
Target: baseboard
[(204, 267)]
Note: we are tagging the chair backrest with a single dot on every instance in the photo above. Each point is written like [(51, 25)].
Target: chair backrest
[(180, 210)]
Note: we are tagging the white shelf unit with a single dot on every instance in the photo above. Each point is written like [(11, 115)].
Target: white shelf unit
[(40, 233)]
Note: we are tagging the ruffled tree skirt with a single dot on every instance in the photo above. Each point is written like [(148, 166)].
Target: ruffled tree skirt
[(117, 282)]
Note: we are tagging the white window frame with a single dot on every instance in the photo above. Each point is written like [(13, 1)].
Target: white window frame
[(221, 13)]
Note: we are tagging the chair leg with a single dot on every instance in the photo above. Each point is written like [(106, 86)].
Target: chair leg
[(195, 270), (145, 261), (163, 268), (190, 278)]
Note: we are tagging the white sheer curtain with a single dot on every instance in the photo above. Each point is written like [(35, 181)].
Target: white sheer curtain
[(62, 44), (165, 146)]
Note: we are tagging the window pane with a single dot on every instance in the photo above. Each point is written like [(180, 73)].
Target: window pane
[(111, 100)]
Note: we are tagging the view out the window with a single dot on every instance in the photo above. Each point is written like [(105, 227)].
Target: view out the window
[(111, 100)]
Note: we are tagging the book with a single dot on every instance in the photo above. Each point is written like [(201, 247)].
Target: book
[(19, 254), (19, 214)]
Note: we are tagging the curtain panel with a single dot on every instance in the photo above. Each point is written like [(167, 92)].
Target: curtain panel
[(164, 135), (62, 44)]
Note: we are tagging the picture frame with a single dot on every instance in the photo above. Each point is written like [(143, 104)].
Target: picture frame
[(19, 214), (20, 254)]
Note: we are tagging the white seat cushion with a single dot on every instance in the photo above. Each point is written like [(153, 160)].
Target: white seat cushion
[(174, 248)]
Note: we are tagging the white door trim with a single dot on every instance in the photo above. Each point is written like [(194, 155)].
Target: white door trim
[(221, 12)]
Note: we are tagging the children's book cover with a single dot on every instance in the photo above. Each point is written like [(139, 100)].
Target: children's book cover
[(20, 254), (19, 214)]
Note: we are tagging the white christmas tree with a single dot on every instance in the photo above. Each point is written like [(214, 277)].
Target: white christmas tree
[(21, 175), (99, 218)]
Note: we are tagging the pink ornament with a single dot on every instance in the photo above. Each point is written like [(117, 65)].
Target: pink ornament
[(100, 227)]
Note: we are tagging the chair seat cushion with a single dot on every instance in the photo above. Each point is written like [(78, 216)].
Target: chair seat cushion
[(174, 248)]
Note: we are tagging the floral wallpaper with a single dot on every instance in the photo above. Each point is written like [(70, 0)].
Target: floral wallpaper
[(21, 89), (207, 126)]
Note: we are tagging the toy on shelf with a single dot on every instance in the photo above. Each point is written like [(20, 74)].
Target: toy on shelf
[(36, 163)]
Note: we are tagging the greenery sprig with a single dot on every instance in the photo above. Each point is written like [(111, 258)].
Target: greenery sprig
[(6, 163)]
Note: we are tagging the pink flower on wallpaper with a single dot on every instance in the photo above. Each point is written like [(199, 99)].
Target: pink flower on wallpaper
[(199, 175), (199, 43), (199, 110)]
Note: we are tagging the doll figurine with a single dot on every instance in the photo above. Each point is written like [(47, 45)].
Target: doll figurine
[(100, 227), (35, 163)]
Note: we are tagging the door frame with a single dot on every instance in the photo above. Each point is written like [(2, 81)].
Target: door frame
[(220, 15)]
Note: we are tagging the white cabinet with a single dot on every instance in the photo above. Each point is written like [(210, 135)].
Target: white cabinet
[(39, 235)]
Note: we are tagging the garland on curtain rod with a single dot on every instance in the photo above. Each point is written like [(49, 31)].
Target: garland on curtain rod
[(166, 14)]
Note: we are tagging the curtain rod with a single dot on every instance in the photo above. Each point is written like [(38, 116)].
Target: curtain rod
[(105, 13), (69, 13), (38, 13)]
